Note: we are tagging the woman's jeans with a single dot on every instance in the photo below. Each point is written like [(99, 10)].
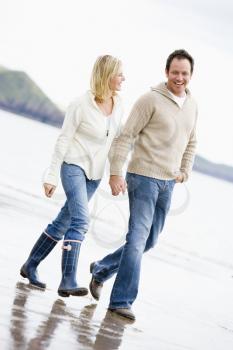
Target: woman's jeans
[(73, 219), (149, 201)]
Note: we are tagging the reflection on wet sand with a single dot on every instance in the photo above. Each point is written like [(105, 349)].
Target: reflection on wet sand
[(18, 316), (110, 332), (108, 336)]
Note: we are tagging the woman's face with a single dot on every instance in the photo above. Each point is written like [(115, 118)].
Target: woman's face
[(116, 81)]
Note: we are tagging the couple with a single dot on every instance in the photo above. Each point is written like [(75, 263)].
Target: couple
[(161, 128)]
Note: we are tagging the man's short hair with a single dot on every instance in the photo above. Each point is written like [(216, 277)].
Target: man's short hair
[(179, 54)]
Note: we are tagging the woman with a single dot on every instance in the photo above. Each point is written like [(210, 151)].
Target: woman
[(91, 123)]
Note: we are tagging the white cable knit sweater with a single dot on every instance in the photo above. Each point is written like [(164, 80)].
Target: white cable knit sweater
[(85, 138)]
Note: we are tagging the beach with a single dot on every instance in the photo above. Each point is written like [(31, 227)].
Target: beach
[(186, 287)]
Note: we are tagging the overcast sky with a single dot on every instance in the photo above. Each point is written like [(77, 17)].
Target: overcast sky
[(57, 42)]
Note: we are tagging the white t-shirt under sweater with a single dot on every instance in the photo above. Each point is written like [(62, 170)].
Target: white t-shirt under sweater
[(178, 99), (85, 138)]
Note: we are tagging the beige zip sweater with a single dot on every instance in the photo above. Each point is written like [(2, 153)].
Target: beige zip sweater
[(161, 134)]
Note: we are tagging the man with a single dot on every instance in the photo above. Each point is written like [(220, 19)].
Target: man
[(161, 128)]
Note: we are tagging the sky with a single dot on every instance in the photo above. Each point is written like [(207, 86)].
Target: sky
[(57, 42)]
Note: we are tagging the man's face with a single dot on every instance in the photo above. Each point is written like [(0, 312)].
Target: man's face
[(178, 76)]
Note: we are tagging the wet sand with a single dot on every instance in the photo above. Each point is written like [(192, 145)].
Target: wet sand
[(180, 304), (35, 319), (185, 296)]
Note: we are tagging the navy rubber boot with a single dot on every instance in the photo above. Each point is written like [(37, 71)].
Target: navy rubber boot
[(68, 285), (41, 249)]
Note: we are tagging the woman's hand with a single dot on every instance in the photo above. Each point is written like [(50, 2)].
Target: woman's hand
[(49, 189)]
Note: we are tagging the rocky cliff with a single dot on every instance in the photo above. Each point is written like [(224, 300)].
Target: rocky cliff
[(20, 94)]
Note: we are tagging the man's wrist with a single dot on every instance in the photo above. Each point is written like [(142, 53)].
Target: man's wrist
[(184, 176), (116, 173)]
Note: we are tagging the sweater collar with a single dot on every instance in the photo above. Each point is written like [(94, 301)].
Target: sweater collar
[(163, 90), (93, 102)]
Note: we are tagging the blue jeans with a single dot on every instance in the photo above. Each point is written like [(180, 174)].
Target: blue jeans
[(73, 219), (149, 202)]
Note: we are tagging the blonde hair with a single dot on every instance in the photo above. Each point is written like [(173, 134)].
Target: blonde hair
[(105, 68)]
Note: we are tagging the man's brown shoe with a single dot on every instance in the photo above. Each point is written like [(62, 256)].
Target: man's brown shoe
[(124, 312), (95, 286)]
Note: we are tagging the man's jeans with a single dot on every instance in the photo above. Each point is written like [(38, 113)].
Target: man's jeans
[(73, 219), (149, 201)]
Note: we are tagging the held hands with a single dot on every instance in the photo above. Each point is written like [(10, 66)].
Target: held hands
[(117, 184), (49, 189)]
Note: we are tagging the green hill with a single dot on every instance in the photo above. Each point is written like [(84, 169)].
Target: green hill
[(221, 171), (20, 94)]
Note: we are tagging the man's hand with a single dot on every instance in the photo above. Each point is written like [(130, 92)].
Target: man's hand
[(117, 184), (180, 178), (49, 189)]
